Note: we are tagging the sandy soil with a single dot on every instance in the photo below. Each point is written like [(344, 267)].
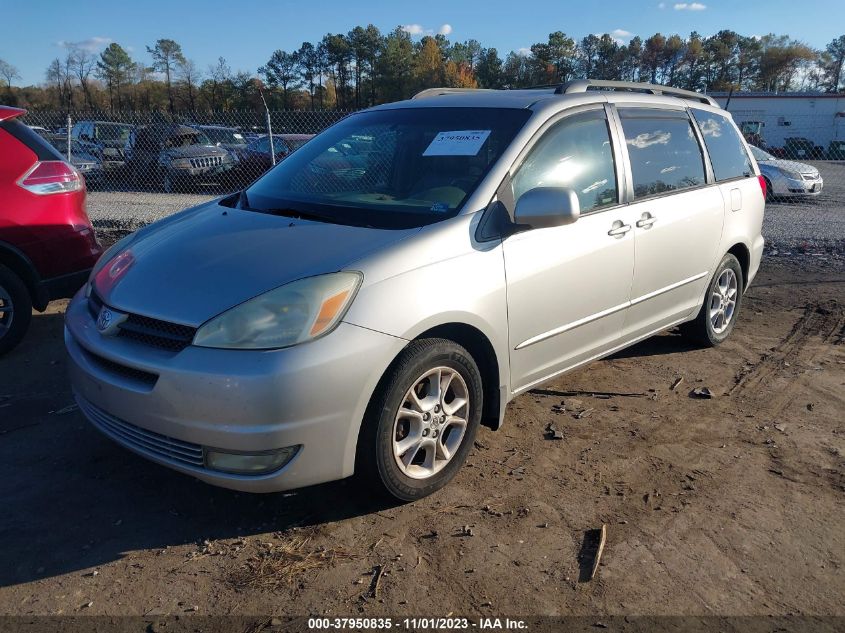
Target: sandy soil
[(731, 505)]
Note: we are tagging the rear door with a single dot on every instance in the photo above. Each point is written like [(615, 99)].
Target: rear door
[(568, 286), (678, 216)]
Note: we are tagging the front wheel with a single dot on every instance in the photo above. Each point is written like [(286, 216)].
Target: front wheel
[(718, 314), (422, 420), (15, 310)]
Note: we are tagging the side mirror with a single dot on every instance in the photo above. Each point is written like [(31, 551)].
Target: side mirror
[(544, 207)]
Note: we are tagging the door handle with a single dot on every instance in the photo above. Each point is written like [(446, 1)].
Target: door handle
[(618, 229), (646, 221)]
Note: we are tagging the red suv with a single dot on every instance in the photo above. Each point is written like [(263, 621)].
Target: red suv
[(47, 243)]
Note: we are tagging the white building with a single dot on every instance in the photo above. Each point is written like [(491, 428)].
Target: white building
[(819, 117)]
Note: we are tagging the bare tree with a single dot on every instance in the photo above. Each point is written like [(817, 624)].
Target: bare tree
[(9, 73), (190, 76), (82, 62)]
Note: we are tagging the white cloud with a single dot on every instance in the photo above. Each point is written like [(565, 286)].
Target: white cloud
[(92, 44), (662, 5), (689, 6), (523, 52), (418, 29), (413, 29), (621, 33)]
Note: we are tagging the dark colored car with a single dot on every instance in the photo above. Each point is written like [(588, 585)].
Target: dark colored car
[(87, 163), (105, 140), (255, 158), (229, 138), (799, 148), (47, 243), (177, 157)]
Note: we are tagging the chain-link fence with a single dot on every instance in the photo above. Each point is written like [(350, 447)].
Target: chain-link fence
[(140, 167), (189, 152)]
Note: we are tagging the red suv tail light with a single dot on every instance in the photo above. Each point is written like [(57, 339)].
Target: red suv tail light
[(51, 176), (762, 185)]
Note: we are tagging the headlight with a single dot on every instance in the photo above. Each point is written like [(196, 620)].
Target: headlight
[(294, 313), (181, 163)]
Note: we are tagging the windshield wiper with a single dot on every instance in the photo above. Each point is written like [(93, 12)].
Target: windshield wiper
[(296, 213)]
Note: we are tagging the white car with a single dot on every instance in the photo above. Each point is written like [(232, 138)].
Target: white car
[(787, 178)]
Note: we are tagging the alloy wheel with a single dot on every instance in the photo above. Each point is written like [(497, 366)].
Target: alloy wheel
[(431, 422), (7, 311), (723, 301)]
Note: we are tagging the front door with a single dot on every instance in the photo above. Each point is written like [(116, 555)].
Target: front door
[(568, 287)]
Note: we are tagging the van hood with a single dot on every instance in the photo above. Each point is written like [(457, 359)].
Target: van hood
[(190, 268)]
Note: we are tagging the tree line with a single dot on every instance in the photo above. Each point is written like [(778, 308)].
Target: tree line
[(365, 67)]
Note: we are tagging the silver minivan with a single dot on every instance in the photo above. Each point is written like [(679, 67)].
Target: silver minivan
[(368, 303)]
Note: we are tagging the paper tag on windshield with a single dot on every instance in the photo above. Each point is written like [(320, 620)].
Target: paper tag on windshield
[(457, 143)]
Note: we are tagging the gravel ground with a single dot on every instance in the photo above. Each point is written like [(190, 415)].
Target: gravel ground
[(813, 225), (725, 506)]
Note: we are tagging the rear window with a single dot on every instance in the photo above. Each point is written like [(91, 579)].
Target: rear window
[(665, 154), (726, 149), (34, 141)]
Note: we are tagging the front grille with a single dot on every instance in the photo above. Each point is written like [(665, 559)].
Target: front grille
[(147, 442), (156, 333), (206, 161), (173, 337), (109, 366)]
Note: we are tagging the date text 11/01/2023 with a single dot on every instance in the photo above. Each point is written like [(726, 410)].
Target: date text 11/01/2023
[(417, 624)]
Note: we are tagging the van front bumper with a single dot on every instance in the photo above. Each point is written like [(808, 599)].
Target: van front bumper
[(174, 408)]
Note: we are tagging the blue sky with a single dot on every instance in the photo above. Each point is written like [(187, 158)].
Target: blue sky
[(246, 32)]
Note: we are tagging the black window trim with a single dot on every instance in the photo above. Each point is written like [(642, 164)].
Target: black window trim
[(709, 179)]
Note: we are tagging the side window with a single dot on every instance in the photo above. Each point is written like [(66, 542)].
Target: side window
[(575, 153), (726, 149), (665, 155)]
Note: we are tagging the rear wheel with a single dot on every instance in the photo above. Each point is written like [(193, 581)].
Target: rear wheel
[(15, 310), (718, 314), (422, 420)]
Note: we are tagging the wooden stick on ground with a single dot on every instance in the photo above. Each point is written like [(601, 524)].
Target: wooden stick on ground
[(602, 540)]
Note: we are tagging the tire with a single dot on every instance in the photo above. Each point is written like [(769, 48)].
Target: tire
[(708, 329), (14, 323), (430, 432), (770, 194)]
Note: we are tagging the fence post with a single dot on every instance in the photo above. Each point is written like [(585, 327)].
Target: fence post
[(69, 123), (269, 128)]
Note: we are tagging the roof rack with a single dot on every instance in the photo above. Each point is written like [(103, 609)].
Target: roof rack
[(436, 92), (582, 85)]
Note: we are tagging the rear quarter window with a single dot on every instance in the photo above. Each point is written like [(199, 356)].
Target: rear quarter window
[(727, 151), (34, 141), (664, 152)]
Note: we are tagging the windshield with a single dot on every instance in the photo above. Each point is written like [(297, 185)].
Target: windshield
[(759, 154), (183, 140), (222, 135), (404, 167), (113, 132)]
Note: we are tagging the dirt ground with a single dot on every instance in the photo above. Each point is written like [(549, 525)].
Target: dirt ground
[(731, 505)]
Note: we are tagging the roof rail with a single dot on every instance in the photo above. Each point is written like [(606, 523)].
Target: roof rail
[(436, 92), (582, 85)]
